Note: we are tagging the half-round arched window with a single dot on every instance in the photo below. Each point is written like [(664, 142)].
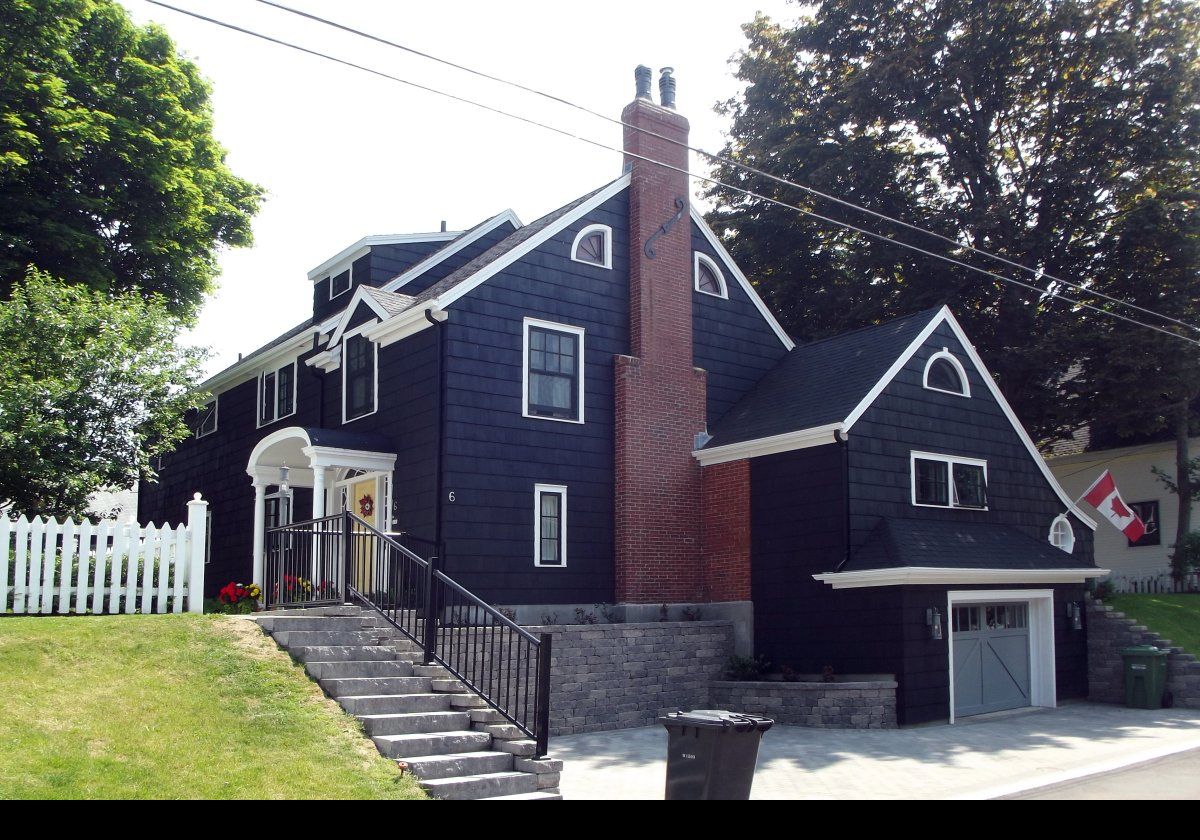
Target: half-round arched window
[(709, 278), (1062, 535), (593, 245), (943, 372)]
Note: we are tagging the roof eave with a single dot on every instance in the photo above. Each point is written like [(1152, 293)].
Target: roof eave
[(932, 575)]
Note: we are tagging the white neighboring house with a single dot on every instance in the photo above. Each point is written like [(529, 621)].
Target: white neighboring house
[(116, 503), (1158, 507)]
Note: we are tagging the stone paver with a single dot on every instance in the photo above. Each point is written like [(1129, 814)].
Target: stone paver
[(979, 759)]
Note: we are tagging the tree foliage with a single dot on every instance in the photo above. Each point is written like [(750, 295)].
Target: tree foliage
[(109, 173), (1061, 134), (92, 389)]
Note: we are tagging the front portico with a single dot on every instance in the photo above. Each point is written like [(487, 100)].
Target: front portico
[(320, 459)]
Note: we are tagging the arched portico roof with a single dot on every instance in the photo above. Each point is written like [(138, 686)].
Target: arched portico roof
[(304, 449)]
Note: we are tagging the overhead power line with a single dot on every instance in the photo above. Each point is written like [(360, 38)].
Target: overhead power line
[(1037, 273), (492, 109)]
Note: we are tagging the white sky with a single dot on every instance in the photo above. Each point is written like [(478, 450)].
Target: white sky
[(343, 154)]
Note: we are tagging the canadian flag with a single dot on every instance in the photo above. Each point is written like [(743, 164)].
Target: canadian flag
[(1104, 497)]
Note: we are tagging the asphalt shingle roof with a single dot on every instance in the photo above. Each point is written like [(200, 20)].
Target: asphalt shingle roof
[(391, 302), (945, 544), (819, 383)]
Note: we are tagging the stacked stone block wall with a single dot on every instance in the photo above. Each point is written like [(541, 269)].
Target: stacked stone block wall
[(1108, 632)]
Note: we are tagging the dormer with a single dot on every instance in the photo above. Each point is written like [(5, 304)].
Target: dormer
[(371, 261)]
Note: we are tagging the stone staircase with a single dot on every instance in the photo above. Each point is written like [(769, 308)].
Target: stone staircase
[(432, 724), (1108, 632)]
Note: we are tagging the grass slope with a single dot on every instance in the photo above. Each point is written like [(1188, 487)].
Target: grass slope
[(175, 706), (1174, 617)]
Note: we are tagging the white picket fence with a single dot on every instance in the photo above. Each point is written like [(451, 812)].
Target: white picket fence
[(108, 567)]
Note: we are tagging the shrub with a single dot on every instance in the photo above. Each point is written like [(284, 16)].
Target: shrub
[(746, 669)]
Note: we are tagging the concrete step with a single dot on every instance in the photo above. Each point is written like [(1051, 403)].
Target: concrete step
[(466, 700), (394, 704), (341, 653), (487, 716), (449, 686), (435, 743), (312, 611), (412, 723), (356, 686), (459, 764), (308, 638), (359, 668), (483, 786), (549, 795), (276, 623), (432, 671), (521, 749), (500, 731)]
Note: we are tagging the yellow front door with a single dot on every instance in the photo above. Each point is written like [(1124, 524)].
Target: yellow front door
[(364, 504)]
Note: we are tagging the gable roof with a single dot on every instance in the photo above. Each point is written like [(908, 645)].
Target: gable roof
[(946, 544), (819, 383), (844, 367), (246, 367)]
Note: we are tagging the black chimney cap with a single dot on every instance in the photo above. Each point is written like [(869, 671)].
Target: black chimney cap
[(642, 74), (666, 87)]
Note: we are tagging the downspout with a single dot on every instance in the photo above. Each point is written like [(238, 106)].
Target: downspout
[(844, 445), (441, 438)]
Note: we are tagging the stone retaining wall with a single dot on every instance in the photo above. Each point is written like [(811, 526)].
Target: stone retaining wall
[(613, 676), (1108, 631), (868, 703)]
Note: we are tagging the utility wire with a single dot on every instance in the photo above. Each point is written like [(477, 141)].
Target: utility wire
[(598, 144), (1038, 273)]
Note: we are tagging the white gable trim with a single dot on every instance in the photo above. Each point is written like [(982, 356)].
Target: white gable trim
[(250, 366), (497, 265), (362, 246), (946, 316), (747, 287), (360, 296), (438, 257), (927, 575)]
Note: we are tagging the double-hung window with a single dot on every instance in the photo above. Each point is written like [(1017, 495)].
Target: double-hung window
[(948, 481), (549, 525), (358, 377), (553, 372), (277, 393)]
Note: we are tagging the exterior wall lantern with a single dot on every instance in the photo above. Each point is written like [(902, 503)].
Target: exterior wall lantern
[(1075, 615), (283, 479), (933, 620)]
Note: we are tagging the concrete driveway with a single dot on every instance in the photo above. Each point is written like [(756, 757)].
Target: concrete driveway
[(985, 758)]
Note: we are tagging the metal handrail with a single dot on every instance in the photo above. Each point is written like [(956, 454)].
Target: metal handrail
[(500, 661)]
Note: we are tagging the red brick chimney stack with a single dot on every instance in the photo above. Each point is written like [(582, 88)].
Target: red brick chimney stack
[(660, 396)]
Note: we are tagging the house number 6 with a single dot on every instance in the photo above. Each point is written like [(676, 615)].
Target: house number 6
[(450, 495)]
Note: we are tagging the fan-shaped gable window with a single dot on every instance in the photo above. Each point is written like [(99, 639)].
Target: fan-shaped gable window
[(709, 278), (1062, 535), (945, 373), (593, 245)]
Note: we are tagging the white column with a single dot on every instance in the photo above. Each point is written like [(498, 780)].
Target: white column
[(318, 492), (260, 531), (197, 533)]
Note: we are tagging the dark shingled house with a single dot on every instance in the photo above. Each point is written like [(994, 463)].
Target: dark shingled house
[(597, 407)]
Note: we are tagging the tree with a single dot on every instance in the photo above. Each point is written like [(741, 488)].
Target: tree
[(109, 173), (1024, 127), (92, 389)]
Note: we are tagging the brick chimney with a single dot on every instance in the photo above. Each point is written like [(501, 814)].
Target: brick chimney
[(660, 395)]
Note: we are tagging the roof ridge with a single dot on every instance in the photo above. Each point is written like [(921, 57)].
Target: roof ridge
[(890, 322)]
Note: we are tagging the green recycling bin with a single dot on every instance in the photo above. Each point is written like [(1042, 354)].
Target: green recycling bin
[(711, 753), (1145, 676)]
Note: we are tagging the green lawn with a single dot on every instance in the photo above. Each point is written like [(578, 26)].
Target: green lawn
[(1174, 617), (174, 706)]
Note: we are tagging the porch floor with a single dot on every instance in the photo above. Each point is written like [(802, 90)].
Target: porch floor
[(988, 757)]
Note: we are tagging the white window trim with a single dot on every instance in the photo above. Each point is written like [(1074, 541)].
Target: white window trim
[(561, 491), (590, 229), (349, 286), (345, 343), (951, 460), (945, 353), (716, 269), (215, 402), (582, 367), (1043, 690), (295, 393), (1063, 519)]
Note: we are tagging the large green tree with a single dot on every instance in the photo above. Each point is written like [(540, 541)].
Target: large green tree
[(1030, 128), (109, 173), (92, 389)]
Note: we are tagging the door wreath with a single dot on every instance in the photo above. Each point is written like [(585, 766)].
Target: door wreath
[(366, 505)]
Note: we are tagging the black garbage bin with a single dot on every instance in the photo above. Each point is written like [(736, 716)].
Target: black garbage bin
[(711, 753)]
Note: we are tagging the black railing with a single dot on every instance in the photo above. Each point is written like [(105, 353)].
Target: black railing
[(499, 660), (304, 563)]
